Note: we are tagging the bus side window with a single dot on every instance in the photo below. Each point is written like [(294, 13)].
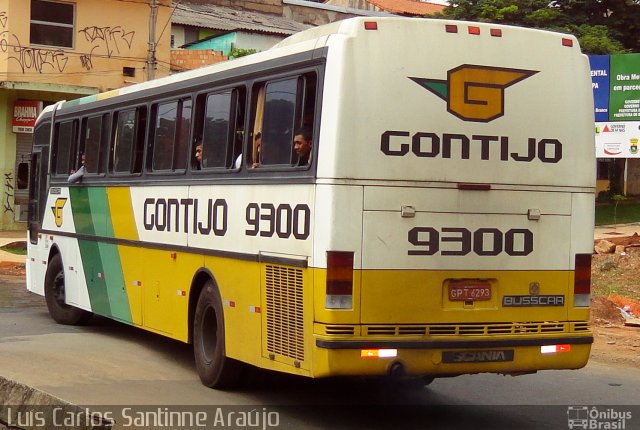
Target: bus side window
[(280, 107), (64, 147), (237, 123), (128, 140), (92, 134), (218, 125), (170, 136)]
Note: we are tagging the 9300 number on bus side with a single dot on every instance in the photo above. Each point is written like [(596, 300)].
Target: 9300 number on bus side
[(459, 241)]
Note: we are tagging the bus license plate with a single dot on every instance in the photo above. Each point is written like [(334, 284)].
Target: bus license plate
[(470, 292)]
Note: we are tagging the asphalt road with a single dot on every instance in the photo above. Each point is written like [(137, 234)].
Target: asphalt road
[(118, 370)]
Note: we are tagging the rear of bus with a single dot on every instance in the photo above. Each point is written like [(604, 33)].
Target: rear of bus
[(455, 201)]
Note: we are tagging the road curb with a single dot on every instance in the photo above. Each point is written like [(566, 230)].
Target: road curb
[(23, 407)]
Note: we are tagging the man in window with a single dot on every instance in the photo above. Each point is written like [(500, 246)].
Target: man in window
[(76, 176), (302, 145)]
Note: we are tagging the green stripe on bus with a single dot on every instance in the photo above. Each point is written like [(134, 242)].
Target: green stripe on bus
[(81, 208), (94, 274), (116, 290), (107, 294), (91, 211), (99, 203)]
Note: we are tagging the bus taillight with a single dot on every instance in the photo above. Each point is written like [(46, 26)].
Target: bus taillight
[(582, 282), (339, 291)]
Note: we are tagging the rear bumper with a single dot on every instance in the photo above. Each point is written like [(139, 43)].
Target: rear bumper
[(451, 344), (449, 357)]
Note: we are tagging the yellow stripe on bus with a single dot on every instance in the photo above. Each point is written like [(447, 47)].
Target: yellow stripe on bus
[(124, 226)]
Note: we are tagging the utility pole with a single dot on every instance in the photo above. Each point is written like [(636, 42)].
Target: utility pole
[(151, 56)]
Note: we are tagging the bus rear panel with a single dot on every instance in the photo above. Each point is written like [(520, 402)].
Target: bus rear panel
[(461, 180)]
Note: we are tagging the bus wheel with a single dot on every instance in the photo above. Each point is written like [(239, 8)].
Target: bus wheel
[(215, 369), (54, 293)]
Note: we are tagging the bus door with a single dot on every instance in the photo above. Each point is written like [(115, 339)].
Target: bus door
[(37, 203), (37, 191)]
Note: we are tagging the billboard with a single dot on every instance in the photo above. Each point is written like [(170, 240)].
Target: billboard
[(615, 80)]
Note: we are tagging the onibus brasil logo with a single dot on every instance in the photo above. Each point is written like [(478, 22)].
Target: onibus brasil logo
[(473, 92)]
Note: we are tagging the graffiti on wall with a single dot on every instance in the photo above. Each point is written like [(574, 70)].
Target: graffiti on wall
[(38, 59), (107, 42), (109, 38), (8, 200)]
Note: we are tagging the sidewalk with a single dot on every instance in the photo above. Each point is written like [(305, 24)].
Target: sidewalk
[(613, 231), (7, 237)]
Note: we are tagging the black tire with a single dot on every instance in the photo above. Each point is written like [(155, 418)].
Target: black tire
[(54, 293), (427, 380), (215, 369)]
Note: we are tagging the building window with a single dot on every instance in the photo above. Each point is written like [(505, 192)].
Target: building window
[(52, 23)]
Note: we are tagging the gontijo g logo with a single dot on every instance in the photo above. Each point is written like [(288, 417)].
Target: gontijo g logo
[(475, 93), (57, 210)]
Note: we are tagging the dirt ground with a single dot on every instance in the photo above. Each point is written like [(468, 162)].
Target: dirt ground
[(616, 283)]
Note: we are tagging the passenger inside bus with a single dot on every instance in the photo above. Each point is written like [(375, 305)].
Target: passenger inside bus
[(76, 175), (302, 145), (198, 155), (257, 143)]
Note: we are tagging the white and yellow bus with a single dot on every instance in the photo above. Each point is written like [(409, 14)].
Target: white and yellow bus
[(442, 226)]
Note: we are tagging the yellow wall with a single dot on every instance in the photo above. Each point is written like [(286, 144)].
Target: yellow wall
[(109, 35), (7, 164)]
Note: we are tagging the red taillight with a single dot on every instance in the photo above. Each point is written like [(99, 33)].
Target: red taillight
[(339, 289), (370, 25), (496, 32), (451, 28), (567, 42), (582, 281), (474, 30)]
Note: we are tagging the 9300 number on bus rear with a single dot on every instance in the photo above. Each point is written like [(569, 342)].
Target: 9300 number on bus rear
[(459, 241)]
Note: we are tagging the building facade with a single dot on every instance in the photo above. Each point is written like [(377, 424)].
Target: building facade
[(59, 50)]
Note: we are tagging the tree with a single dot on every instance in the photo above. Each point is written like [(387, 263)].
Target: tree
[(601, 26)]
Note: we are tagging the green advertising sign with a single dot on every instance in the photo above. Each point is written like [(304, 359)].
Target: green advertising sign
[(624, 102)]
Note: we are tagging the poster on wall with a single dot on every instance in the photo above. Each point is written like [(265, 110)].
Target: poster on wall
[(618, 139), (25, 113)]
